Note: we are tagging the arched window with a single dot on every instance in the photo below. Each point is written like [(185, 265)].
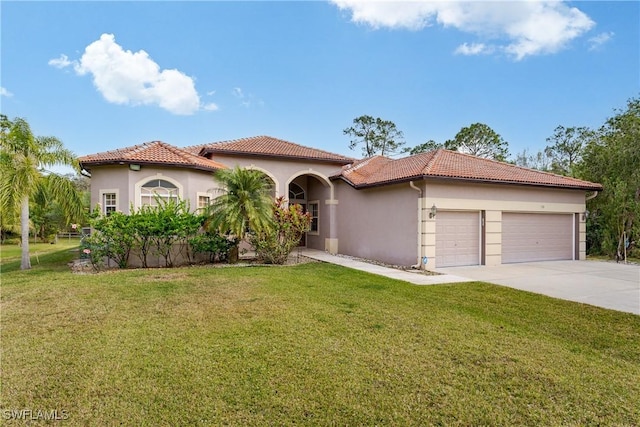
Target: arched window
[(296, 192), (160, 188)]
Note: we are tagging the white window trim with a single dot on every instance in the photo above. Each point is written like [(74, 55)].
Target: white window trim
[(138, 187), (317, 203), (104, 191)]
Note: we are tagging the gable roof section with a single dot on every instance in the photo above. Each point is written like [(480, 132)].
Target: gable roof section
[(151, 153), (448, 164), (266, 146)]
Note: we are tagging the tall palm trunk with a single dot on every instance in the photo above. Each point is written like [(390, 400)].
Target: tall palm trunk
[(25, 264)]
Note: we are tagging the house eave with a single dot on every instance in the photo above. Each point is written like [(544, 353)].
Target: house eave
[(595, 187), (89, 165), (464, 179)]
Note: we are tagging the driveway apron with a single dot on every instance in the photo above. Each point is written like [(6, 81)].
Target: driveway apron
[(603, 284)]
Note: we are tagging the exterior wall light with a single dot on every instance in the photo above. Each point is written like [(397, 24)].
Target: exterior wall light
[(134, 167), (433, 212)]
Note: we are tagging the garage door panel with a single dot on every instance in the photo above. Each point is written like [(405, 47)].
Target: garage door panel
[(457, 239), (536, 237)]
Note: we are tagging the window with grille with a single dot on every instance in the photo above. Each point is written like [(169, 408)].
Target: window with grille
[(157, 189), (203, 202), (315, 216), (296, 192), (109, 203)]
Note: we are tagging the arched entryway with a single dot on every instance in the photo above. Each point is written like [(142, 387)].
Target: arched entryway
[(314, 192)]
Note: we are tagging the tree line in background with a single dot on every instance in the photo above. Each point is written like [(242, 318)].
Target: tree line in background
[(609, 155), (376, 136)]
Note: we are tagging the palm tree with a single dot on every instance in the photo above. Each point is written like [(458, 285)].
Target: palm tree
[(245, 203), (22, 159)]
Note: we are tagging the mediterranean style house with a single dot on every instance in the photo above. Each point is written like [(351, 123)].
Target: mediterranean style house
[(436, 209)]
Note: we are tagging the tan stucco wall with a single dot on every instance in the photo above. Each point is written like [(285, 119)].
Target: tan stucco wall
[(378, 223), (282, 172), (127, 183)]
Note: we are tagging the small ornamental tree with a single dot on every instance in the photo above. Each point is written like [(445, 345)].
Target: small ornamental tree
[(274, 245)]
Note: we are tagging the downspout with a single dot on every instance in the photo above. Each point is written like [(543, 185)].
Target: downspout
[(593, 196), (412, 185)]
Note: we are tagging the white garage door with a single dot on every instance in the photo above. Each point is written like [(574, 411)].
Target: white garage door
[(457, 238), (536, 237)]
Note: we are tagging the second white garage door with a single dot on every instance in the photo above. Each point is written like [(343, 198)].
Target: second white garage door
[(536, 237), (457, 238)]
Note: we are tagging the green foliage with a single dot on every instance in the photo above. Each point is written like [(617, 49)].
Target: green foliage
[(479, 140), (22, 158), (540, 160), (168, 230), (97, 248), (55, 203), (114, 237), (216, 246), (613, 159), (425, 147), (566, 149), (376, 136), (174, 224), (274, 245), (245, 203), (310, 345)]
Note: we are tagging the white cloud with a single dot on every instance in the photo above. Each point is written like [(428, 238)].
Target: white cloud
[(474, 49), (61, 62), (5, 92), (601, 39), (133, 78), (523, 28)]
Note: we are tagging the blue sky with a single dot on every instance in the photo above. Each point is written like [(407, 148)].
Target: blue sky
[(105, 75)]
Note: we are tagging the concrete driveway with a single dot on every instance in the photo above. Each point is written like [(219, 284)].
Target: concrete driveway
[(603, 284)]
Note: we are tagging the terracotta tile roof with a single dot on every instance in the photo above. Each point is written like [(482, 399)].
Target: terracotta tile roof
[(155, 152), (267, 146), (451, 164)]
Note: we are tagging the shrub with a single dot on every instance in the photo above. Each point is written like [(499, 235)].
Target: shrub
[(114, 236), (215, 246), (274, 245), (95, 249), (168, 230)]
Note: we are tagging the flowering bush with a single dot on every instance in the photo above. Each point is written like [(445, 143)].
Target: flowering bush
[(94, 249), (274, 245)]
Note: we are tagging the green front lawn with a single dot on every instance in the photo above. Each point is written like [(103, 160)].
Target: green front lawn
[(309, 344), (10, 254)]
